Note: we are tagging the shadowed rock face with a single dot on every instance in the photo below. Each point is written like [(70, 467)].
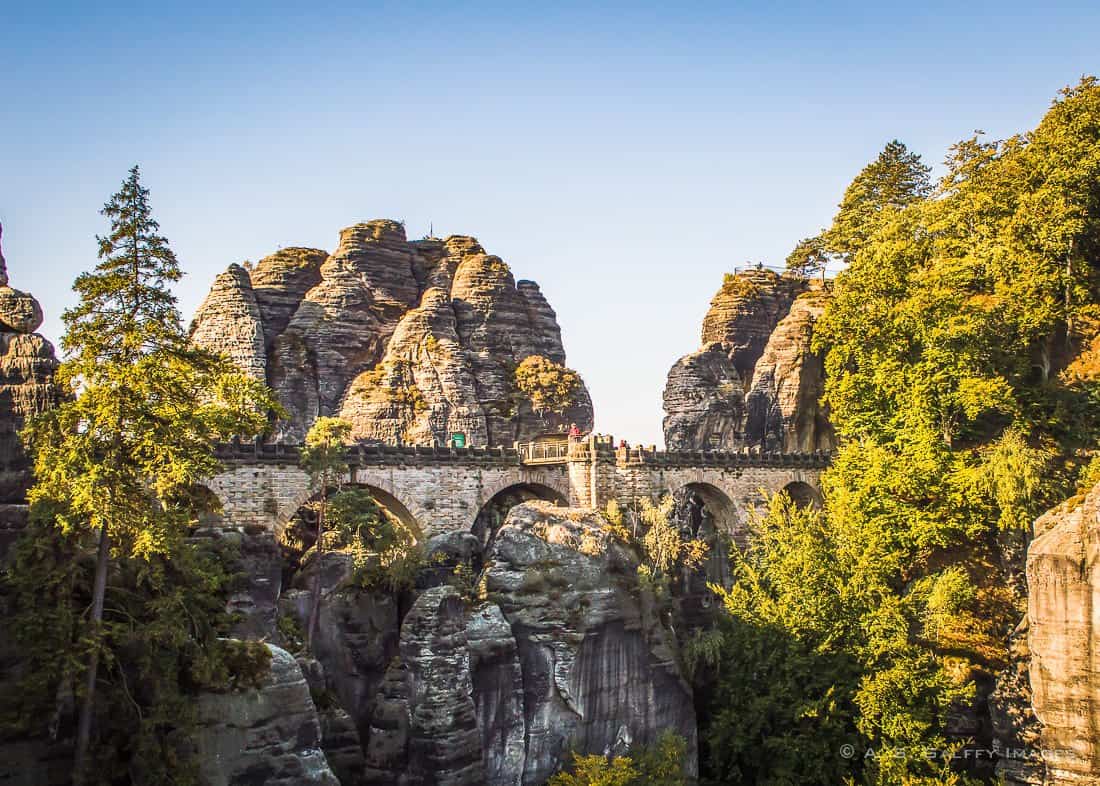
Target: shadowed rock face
[(271, 735), (756, 383), (1063, 577), (410, 341), (27, 367), (568, 655)]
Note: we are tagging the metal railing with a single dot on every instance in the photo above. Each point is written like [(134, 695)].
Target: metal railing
[(543, 452)]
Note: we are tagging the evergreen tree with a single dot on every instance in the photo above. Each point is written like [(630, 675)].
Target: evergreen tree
[(119, 461), (894, 180)]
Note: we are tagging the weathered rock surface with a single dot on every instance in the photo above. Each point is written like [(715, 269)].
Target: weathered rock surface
[(784, 404), (428, 731), (756, 383), (356, 638), (280, 282), (1063, 577), (229, 322), (410, 341), (27, 367), (562, 652), (704, 400), (599, 670), (744, 313), (269, 735)]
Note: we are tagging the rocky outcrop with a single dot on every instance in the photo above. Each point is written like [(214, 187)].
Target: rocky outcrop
[(280, 282), (704, 400), (27, 367), (356, 638), (410, 341), (1063, 577), (745, 311), (784, 410), (229, 322), (270, 735), (756, 383), (559, 650), (599, 669)]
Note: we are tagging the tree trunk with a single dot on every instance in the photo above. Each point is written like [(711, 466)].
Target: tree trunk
[(84, 727), (315, 605)]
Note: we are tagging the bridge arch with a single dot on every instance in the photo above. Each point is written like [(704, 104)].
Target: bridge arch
[(711, 509), (803, 495), (410, 515), (492, 512)]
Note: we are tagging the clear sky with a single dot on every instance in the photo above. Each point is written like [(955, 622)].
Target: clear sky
[(622, 155)]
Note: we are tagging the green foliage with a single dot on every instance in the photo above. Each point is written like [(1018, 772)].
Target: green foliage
[(893, 181), (959, 348), (659, 765), (119, 463), (664, 544), (809, 257), (385, 554), (324, 453), (161, 638), (890, 183), (549, 387)]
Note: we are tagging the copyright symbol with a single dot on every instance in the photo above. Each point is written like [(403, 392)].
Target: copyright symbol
[(847, 751)]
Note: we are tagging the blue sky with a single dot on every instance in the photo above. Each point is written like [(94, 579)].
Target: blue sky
[(622, 155)]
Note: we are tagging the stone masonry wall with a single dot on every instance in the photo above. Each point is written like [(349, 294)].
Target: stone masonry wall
[(441, 493)]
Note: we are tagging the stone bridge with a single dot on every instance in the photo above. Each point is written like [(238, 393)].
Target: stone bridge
[(434, 490)]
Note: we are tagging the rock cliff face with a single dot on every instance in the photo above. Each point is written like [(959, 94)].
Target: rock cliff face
[(271, 735), (756, 382), (27, 366), (410, 341), (553, 648), (1063, 576)]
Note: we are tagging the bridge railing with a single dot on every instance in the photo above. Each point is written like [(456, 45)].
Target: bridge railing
[(531, 453), (544, 452)]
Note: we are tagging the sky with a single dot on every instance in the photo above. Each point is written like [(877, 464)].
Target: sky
[(624, 156)]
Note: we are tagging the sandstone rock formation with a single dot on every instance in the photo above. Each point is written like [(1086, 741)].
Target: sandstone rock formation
[(410, 341), (599, 669), (784, 409), (27, 366), (270, 735), (1063, 576), (756, 383), (555, 647), (229, 322)]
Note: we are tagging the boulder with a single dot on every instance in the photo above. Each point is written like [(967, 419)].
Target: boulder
[(19, 312)]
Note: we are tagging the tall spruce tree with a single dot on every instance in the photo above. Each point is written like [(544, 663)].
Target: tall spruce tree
[(120, 458), (896, 179)]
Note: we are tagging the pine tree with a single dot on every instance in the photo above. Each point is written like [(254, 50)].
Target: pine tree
[(894, 180), (122, 457)]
